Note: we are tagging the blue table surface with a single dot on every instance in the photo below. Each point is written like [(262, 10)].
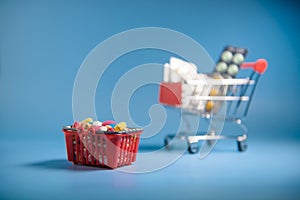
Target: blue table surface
[(43, 44), (38, 169)]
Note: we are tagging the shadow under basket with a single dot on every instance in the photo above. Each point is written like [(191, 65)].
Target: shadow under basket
[(112, 150)]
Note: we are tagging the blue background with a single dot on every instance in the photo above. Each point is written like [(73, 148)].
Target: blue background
[(43, 44)]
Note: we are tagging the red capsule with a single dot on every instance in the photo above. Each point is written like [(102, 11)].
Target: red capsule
[(76, 125), (108, 122)]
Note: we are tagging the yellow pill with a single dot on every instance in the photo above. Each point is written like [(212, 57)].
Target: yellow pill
[(87, 120), (86, 125), (117, 128), (214, 92), (123, 124), (120, 126), (209, 106), (216, 76)]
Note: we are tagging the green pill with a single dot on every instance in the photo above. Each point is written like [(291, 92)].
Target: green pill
[(233, 69), (221, 67), (238, 58), (226, 56)]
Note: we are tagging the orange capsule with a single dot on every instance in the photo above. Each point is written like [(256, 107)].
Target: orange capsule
[(214, 92), (209, 106)]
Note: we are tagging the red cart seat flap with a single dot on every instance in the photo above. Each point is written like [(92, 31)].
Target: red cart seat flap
[(170, 93)]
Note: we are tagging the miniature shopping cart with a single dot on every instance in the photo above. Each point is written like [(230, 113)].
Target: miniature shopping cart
[(101, 149), (205, 96)]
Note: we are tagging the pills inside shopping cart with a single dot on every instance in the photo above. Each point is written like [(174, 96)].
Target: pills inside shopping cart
[(120, 126), (230, 61), (238, 58), (76, 125), (233, 69), (214, 92), (103, 128), (108, 122), (209, 106), (113, 125), (221, 67), (86, 125), (109, 127), (97, 123), (226, 56), (87, 120)]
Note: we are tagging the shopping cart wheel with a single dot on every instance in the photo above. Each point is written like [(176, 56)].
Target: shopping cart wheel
[(242, 146), (167, 142), (193, 148)]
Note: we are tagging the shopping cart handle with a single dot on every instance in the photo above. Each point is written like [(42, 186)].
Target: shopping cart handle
[(69, 128), (260, 66)]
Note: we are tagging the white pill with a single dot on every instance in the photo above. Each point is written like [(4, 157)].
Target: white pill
[(97, 123), (103, 128)]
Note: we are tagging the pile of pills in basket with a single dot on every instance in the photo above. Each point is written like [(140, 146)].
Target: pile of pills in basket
[(106, 126)]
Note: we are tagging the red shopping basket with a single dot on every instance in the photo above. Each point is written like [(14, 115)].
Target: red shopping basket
[(105, 149)]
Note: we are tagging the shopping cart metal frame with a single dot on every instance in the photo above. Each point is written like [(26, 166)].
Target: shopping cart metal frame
[(240, 90)]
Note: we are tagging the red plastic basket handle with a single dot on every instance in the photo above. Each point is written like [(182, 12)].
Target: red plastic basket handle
[(260, 66)]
